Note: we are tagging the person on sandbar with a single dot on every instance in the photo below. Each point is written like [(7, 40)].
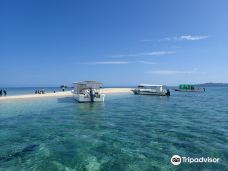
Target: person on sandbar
[(5, 93)]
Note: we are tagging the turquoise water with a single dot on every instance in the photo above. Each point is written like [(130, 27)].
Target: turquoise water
[(125, 133)]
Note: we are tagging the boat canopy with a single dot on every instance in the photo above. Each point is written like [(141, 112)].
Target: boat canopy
[(78, 86), (186, 86)]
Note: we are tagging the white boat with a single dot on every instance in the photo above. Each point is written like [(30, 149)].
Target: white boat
[(148, 89), (88, 91)]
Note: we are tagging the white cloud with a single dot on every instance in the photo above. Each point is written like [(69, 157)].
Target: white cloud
[(146, 40), (189, 37), (117, 62), (166, 39), (119, 56), (107, 63), (146, 62), (153, 53), (185, 37), (158, 53), (180, 38)]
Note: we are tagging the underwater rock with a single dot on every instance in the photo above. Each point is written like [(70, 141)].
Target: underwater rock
[(28, 149)]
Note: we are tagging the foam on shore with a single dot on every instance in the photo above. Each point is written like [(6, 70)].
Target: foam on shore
[(62, 94)]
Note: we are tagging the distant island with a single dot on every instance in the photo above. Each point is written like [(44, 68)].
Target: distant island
[(213, 85)]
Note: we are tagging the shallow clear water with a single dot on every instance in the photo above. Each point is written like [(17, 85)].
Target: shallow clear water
[(125, 133)]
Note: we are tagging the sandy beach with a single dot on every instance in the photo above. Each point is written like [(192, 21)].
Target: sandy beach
[(63, 94)]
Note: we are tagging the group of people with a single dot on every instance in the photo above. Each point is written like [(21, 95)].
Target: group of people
[(3, 92), (40, 91)]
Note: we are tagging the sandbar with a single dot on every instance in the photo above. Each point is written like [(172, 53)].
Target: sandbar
[(64, 94)]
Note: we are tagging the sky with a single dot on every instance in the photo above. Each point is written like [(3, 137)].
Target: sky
[(117, 42)]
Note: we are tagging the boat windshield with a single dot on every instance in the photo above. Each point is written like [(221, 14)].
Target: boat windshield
[(186, 87)]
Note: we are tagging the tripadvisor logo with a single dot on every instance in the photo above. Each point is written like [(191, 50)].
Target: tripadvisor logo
[(176, 160)]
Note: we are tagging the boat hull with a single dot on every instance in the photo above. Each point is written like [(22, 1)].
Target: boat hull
[(138, 92), (194, 91), (86, 98)]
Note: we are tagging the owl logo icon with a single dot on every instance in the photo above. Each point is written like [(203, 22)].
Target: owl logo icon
[(176, 160)]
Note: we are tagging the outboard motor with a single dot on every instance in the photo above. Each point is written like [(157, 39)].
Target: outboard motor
[(168, 93), (91, 95)]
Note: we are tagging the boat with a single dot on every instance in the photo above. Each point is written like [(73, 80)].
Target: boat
[(148, 89), (189, 88), (88, 91)]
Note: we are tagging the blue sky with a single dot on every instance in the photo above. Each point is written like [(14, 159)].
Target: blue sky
[(118, 42)]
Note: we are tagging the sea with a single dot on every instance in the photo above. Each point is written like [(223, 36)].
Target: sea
[(125, 133)]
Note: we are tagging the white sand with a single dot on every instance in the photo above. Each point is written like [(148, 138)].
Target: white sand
[(62, 94)]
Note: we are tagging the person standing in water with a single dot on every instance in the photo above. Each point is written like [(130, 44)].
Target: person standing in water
[(0, 92)]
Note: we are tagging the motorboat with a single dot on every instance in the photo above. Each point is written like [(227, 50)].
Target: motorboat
[(189, 88), (88, 91), (148, 89)]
